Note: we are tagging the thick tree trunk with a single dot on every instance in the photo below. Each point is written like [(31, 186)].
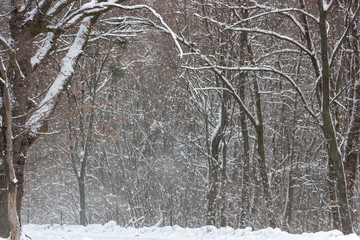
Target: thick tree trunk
[(19, 151), (14, 224), (15, 228), (334, 210), (337, 175)]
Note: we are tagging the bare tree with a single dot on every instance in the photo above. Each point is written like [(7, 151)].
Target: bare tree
[(40, 26), (310, 37)]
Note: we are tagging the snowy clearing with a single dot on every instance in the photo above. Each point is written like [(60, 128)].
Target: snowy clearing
[(114, 232)]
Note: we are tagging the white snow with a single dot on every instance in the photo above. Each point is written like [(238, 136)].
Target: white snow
[(15, 181), (112, 231), (90, 4), (66, 71), (157, 15), (41, 52), (30, 15)]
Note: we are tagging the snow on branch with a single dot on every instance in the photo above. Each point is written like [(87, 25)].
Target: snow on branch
[(266, 32), (343, 36), (59, 5), (327, 6), (282, 51), (2, 72), (43, 50), (255, 69), (157, 15), (95, 7), (218, 71), (284, 12), (275, 10), (212, 88), (229, 87), (277, 35), (47, 105), (282, 74), (5, 43), (30, 15), (85, 10)]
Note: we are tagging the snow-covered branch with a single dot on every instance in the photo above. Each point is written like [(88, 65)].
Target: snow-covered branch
[(38, 8), (327, 6), (43, 51), (343, 36), (276, 35), (287, 78), (271, 9), (262, 69), (157, 15), (212, 88), (58, 7), (67, 68), (277, 52), (284, 12), (5, 43), (230, 88)]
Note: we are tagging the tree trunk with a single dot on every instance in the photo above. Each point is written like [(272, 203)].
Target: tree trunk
[(214, 164), (223, 203), (4, 221), (245, 191), (19, 163), (261, 158), (336, 168), (289, 196), (15, 229), (213, 184), (334, 210), (337, 176), (82, 202)]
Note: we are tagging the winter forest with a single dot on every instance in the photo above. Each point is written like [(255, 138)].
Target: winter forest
[(240, 113)]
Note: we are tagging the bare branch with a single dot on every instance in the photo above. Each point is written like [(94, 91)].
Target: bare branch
[(157, 15), (343, 36), (277, 35)]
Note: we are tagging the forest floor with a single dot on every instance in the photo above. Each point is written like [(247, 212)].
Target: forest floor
[(112, 231)]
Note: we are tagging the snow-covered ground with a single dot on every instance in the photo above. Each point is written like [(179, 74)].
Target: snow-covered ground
[(114, 232)]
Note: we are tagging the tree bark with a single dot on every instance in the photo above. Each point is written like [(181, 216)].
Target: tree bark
[(82, 202), (335, 163), (262, 158), (214, 164), (4, 222), (245, 191), (12, 186), (223, 202)]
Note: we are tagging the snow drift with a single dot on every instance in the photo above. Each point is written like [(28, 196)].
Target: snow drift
[(114, 232)]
